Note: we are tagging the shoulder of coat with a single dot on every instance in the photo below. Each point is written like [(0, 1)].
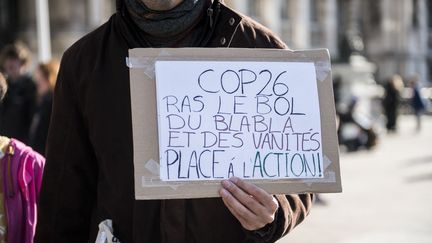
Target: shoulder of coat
[(252, 29)]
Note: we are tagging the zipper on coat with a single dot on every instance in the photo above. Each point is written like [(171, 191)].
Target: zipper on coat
[(210, 12), (210, 16)]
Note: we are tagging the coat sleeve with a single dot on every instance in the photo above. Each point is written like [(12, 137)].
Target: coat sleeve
[(292, 210), (68, 189)]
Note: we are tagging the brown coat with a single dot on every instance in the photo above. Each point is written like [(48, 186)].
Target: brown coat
[(89, 170)]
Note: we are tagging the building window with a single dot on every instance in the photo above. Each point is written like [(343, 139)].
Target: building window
[(286, 24), (314, 11), (375, 12), (429, 8), (285, 10), (315, 27), (415, 13)]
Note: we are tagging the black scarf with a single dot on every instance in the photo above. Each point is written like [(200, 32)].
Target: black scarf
[(170, 23)]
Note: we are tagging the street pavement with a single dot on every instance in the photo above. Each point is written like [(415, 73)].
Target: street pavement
[(387, 194)]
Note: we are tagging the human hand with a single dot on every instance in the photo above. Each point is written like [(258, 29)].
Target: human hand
[(251, 205)]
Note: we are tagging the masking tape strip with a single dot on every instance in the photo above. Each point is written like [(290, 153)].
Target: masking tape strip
[(147, 64), (326, 162), (329, 176), (140, 62), (156, 182), (323, 70), (153, 167), (151, 182), (144, 62)]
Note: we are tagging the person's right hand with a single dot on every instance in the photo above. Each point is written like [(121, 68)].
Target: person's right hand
[(251, 205)]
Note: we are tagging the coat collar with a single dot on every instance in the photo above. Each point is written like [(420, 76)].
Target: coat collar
[(225, 28), (223, 25)]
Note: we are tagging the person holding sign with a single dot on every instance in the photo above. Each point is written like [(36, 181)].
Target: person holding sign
[(89, 175)]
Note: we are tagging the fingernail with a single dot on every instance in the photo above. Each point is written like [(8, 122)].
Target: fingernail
[(226, 184), (234, 179), (223, 192)]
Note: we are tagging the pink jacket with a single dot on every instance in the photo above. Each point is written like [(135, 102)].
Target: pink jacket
[(22, 170)]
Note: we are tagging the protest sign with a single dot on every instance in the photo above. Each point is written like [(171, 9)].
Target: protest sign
[(203, 115), (247, 119)]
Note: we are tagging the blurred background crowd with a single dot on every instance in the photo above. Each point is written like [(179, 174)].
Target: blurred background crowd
[(26, 109), (381, 52)]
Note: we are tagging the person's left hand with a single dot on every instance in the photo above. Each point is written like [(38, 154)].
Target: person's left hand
[(251, 205)]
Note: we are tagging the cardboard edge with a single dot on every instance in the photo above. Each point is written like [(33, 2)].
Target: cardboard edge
[(318, 54)]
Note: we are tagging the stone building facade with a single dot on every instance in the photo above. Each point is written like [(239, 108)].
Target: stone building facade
[(69, 21), (393, 34)]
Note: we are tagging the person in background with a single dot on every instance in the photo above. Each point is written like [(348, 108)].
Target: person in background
[(45, 77), (16, 111), (3, 86), (417, 103), (391, 102), (3, 221), (89, 176), (21, 174)]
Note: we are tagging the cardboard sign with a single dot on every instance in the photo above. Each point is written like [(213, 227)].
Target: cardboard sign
[(203, 115), (254, 120)]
